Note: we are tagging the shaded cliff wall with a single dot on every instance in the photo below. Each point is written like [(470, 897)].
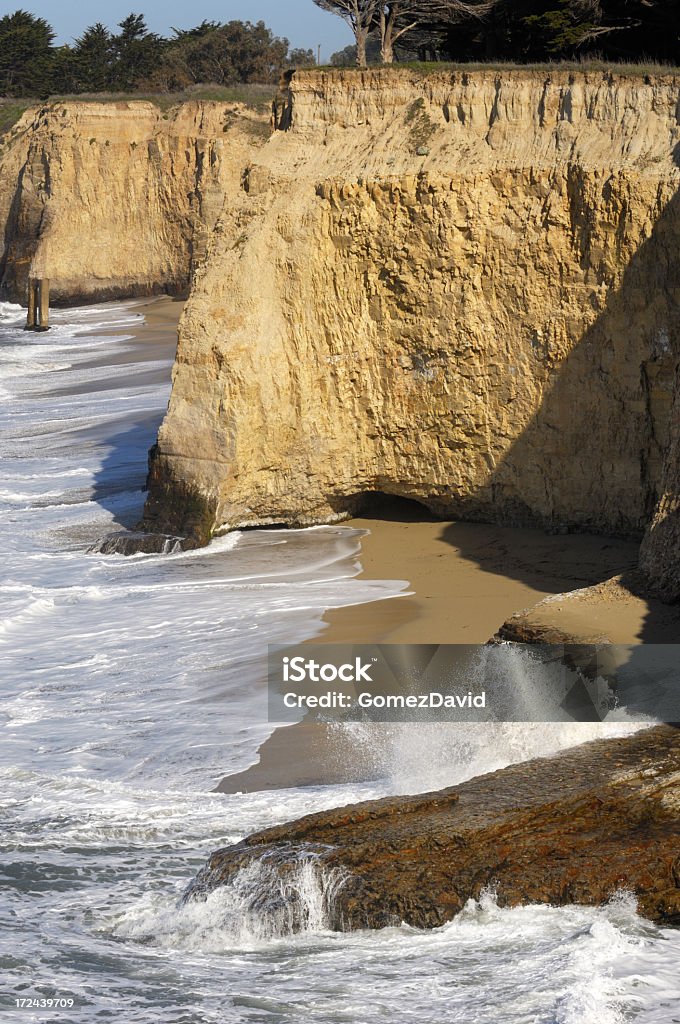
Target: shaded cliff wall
[(660, 551), (459, 288), (117, 199)]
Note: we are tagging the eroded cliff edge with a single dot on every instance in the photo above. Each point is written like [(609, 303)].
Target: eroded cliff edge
[(458, 288), (118, 199)]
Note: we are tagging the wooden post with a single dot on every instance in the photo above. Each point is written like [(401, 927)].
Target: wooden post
[(44, 310), (38, 316), (31, 315)]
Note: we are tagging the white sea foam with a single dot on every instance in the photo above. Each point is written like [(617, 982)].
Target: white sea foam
[(419, 757), (260, 906), (175, 630), (537, 963), (423, 756)]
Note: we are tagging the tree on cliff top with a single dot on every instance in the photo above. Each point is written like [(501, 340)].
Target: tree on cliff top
[(564, 27), (348, 55), (517, 30), (137, 52), (223, 54), (301, 57), (401, 17), (25, 55), (392, 21), (94, 55), (361, 16), (539, 30)]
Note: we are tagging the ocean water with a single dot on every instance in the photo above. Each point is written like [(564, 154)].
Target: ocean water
[(131, 686)]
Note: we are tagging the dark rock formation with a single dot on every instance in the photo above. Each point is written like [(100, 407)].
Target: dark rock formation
[(568, 829), (130, 542)]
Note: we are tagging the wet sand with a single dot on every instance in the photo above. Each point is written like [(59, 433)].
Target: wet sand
[(160, 310), (468, 578), (156, 330)]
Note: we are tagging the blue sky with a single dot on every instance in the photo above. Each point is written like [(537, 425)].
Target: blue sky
[(300, 21)]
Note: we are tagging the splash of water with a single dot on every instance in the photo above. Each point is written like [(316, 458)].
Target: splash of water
[(275, 895), (415, 757)]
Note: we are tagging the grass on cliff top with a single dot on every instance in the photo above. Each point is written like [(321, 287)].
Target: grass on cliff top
[(11, 111), (639, 70), (257, 97)]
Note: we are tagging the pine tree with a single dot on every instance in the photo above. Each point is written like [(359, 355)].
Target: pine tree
[(564, 27), (138, 53), (94, 56), (25, 55)]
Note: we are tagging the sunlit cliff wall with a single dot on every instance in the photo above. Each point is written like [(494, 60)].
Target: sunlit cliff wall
[(117, 199), (459, 288)]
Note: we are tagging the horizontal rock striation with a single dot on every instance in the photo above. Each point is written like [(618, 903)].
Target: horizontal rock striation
[(574, 828), (117, 199), (459, 288)]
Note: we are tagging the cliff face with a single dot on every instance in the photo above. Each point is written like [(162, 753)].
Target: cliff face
[(117, 199), (660, 551), (460, 288)]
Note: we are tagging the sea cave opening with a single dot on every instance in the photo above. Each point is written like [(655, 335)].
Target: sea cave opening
[(392, 507)]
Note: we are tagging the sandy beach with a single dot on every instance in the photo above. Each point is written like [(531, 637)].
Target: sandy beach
[(157, 329), (467, 578)]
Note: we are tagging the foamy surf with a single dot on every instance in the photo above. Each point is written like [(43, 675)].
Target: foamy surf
[(538, 963)]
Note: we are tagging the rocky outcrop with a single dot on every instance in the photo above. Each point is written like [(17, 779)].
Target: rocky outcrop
[(460, 288), (130, 542), (117, 199), (619, 610), (568, 829)]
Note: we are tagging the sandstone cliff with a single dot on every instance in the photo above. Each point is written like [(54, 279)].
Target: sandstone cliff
[(458, 288), (117, 199), (660, 551)]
